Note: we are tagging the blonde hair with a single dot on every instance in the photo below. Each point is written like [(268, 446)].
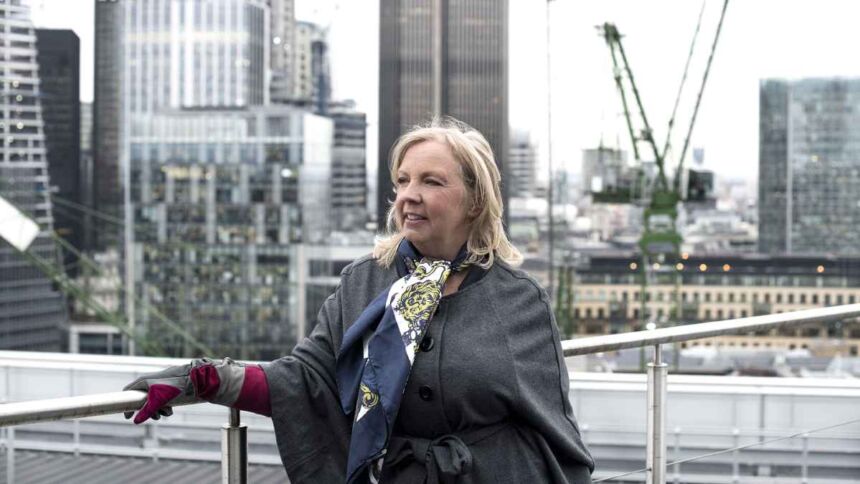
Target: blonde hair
[(487, 239)]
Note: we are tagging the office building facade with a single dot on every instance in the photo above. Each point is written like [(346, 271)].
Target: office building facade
[(442, 57), (809, 166), (59, 73), (32, 311), (349, 171), (608, 294), (107, 183), (222, 202), (282, 49), (522, 159), (311, 76)]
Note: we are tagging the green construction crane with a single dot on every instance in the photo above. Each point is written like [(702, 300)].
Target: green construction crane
[(660, 242)]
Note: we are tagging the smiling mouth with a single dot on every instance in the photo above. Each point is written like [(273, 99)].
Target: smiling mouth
[(411, 217)]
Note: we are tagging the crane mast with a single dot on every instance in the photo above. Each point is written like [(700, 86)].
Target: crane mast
[(660, 243)]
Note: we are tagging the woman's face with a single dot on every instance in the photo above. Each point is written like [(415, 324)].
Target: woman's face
[(431, 204)]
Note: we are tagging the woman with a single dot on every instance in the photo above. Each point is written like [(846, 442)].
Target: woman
[(433, 361)]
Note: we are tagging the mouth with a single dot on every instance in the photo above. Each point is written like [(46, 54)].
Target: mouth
[(413, 218)]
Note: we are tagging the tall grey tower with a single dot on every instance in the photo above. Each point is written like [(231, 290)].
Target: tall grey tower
[(32, 313), (809, 166), (282, 20), (106, 185), (59, 73), (442, 57)]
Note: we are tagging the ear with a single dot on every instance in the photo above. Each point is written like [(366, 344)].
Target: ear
[(473, 212)]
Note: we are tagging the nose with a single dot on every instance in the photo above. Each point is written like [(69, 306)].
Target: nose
[(409, 193)]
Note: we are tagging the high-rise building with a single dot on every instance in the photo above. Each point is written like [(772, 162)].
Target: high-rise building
[(442, 57), (312, 78), (222, 200), (522, 160), (605, 169), (59, 72), (282, 50), (86, 174), (222, 187), (809, 166), (32, 312), (349, 171), (107, 184)]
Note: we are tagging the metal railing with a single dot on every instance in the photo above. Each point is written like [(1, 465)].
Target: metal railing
[(234, 434)]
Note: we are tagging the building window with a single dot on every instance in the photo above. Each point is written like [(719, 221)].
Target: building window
[(779, 297), (707, 314), (790, 298), (707, 297), (803, 299), (731, 297), (815, 299)]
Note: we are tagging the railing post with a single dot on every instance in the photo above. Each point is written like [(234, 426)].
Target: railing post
[(656, 445), (10, 455), (804, 464), (736, 456), (676, 472), (234, 451)]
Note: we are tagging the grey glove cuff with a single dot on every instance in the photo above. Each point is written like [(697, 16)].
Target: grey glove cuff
[(217, 381)]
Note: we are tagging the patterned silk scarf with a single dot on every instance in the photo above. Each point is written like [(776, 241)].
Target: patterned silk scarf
[(377, 352)]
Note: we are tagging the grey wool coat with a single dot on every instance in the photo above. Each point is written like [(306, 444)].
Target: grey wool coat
[(490, 372)]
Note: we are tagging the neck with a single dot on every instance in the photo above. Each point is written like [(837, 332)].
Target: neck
[(452, 285)]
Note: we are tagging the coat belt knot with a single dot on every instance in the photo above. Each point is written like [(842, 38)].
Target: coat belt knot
[(444, 458)]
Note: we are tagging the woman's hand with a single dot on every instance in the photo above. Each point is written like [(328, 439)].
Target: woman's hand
[(165, 388), (224, 382)]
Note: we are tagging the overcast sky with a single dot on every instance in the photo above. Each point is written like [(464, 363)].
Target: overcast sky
[(760, 39)]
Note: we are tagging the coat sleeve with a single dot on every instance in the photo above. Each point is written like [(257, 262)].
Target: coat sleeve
[(542, 386), (311, 430)]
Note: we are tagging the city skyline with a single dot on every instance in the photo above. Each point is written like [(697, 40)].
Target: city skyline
[(806, 39)]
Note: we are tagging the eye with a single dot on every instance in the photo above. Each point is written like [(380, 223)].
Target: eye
[(402, 180), (434, 182)]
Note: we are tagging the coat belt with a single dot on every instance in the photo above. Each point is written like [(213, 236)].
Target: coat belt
[(445, 457)]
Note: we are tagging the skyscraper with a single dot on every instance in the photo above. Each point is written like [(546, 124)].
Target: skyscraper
[(349, 173), (522, 165), (107, 186), (222, 201), (282, 51), (221, 187), (32, 312), (442, 57), (312, 78), (59, 73), (809, 166)]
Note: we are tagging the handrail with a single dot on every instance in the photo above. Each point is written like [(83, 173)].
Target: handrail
[(108, 403), (636, 339), (234, 446), (33, 411)]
